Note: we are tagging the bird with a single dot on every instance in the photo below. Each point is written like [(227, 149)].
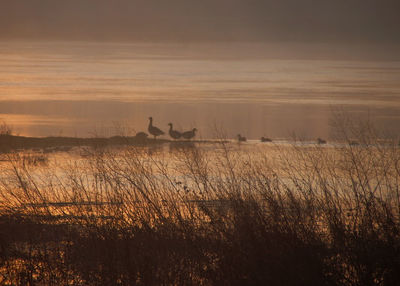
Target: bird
[(265, 139), (321, 141), (141, 135), (155, 131), (189, 134), (173, 133), (353, 143), (241, 138)]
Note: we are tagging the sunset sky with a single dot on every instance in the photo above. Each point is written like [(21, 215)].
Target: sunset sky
[(206, 20)]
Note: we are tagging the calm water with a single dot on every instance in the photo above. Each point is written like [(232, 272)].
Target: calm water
[(86, 89)]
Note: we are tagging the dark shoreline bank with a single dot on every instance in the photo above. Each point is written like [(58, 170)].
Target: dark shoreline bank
[(11, 142)]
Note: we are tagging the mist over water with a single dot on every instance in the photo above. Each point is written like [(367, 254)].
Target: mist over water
[(86, 89), (319, 204)]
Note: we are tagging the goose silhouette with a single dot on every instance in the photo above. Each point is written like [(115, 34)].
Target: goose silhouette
[(173, 133), (189, 134), (241, 138), (155, 131)]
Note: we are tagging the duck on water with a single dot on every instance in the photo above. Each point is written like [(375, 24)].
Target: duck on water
[(241, 138), (189, 134), (174, 133)]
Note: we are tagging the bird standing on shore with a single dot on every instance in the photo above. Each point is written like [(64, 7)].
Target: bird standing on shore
[(173, 133), (189, 134), (155, 131)]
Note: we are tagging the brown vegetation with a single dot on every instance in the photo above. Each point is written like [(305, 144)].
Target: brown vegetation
[(205, 216)]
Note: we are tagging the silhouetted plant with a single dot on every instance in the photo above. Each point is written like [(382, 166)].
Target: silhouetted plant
[(278, 215)]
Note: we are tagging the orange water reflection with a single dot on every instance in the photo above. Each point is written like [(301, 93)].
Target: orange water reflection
[(85, 88)]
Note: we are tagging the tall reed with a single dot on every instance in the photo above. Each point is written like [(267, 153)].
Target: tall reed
[(205, 215)]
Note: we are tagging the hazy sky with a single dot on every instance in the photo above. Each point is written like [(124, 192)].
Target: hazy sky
[(371, 21)]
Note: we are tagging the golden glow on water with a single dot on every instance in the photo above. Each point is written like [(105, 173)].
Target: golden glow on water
[(189, 86), (28, 125)]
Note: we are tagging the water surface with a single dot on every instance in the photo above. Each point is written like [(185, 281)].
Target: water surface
[(86, 89)]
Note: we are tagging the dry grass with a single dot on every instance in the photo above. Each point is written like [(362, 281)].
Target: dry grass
[(277, 215)]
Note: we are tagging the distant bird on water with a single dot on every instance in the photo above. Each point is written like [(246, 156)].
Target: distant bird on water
[(141, 135), (353, 143), (155, 131), (173, 133), (241, 138), (189, 134), (265, 139)]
